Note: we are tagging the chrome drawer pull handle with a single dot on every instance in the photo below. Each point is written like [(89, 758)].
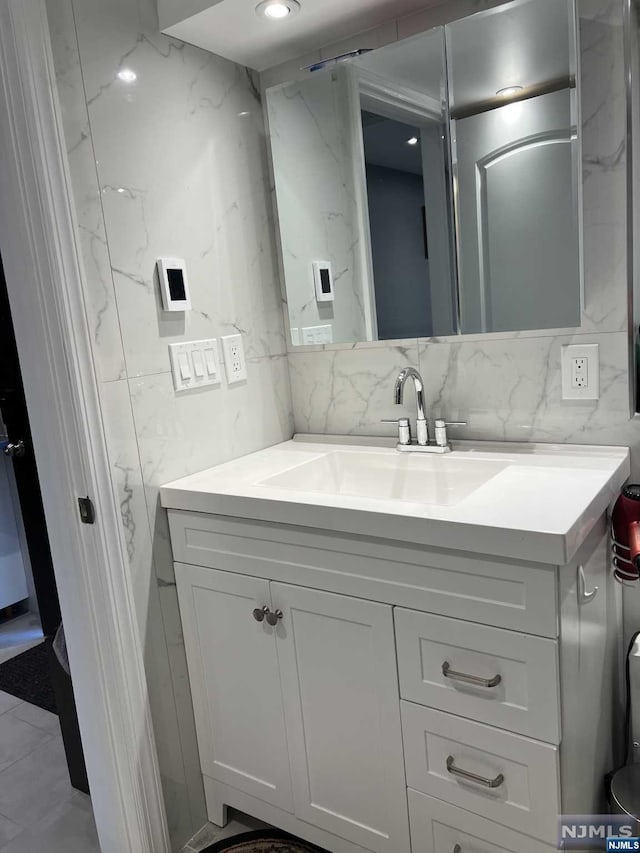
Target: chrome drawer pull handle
[(469, 679), (473, 777)]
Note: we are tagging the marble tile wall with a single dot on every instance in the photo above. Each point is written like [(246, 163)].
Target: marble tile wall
[(172, 163), (313, 120)]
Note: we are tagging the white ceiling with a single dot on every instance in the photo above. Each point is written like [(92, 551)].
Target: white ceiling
[(231, 28)]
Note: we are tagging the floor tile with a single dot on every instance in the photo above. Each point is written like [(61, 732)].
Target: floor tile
[(30, 788), (37, 717), (68, 828), (8, 831), (8, 652), (7, 701), (18, 739)]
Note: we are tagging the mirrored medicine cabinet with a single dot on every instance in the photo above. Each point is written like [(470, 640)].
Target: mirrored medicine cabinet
[(432, 187)]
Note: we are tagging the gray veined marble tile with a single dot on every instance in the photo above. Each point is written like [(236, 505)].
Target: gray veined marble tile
[(349, 391), (68, 828), (8, 831), (122, 447), (511, 389), (18, 740), (37, 717), (35, 784), (100, 297), (210, 205), (604, 161), (7, 701)]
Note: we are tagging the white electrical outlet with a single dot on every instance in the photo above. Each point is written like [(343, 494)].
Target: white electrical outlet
[(580, 372), (234, 360)]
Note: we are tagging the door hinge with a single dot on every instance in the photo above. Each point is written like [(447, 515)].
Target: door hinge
[(87, 511)]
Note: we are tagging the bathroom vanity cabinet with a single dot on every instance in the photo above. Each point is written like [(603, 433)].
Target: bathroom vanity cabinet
[(374, 694)]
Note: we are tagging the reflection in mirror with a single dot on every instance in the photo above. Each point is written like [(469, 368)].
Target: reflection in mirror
[(404, 129), (412, 205), (515, 152), (360, 164)]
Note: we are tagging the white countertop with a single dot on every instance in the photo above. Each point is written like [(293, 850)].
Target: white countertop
[(540, 505)]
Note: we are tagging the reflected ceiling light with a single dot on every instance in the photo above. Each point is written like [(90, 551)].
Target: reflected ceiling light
[(277, 10), (127, 75), (413, 141), (512, 112), (509, 91)]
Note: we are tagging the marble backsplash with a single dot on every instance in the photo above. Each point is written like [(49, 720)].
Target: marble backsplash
[(172, 163), (505, 389)]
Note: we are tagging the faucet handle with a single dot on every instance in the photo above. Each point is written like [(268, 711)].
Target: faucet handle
[(441, 430), (404, 428)]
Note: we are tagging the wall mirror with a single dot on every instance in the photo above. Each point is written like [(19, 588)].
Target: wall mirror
[(431, 187)]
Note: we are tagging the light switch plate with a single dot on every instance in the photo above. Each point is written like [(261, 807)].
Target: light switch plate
[(234, 360), (581, 372), (194, 364), (317, 334)]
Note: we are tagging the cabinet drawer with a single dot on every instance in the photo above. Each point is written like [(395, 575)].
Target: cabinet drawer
[(438, 827), (493, 591), (502, 776), (442, 662)]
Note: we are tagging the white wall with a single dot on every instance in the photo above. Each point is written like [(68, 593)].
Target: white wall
[(173, 164)]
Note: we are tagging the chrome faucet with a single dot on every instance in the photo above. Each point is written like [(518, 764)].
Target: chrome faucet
[(441, 442), (422, 427)]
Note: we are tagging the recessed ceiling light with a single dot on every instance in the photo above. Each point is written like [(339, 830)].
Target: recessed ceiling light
[(508, 91), (277, 10), (127, 75), (413, 141)]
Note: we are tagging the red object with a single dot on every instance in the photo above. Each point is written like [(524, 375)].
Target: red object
[(626, 535)]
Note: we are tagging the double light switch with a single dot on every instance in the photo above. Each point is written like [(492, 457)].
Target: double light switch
[(194, 364)]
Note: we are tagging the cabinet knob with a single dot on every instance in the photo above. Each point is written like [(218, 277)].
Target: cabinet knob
[(259, 613), (274, 617)]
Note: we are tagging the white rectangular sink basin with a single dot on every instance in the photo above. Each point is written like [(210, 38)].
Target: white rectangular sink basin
[(535, 502), (434, 480)]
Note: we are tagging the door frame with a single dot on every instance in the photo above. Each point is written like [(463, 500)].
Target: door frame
[(43, 269)]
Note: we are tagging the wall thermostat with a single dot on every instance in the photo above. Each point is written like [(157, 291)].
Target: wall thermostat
[(172, 274), (323, 281)]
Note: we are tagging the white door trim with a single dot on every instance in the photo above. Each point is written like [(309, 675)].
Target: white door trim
[(43, 271)]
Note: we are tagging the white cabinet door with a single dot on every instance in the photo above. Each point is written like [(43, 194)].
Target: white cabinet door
[(340, 689), (233, 669)]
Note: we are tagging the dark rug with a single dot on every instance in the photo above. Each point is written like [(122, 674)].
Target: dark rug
[(26, 676), (263, 841)]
